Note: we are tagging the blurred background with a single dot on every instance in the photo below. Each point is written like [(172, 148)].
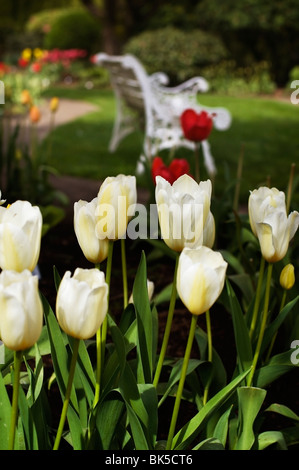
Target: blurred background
[(253, 42)]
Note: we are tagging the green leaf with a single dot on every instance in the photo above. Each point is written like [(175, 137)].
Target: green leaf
[(242, 339), (275, 325), (283, 411), (145, 353), (221, 428), (275, 368), (5, 414), (186, 435), (108, 414), (176, 374), (209, 444), (129, 390), (250, 400), (269, 438)]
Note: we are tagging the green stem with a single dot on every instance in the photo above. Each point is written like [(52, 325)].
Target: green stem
[(102, 332), (263, 325), (257, 298), (67, 393), (181, 382), (15, 398), (275, 335), (168, 326), (124, 271), (197, 165), (210, 354)]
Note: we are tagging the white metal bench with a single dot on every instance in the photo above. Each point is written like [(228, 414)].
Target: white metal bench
[(146, 102)]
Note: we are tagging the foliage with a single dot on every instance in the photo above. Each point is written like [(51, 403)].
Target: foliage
[(179, 54), (73, 29), (227, 78), (255, 31)]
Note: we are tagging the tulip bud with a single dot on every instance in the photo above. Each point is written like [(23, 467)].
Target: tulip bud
[(200, 278), (183, 209), (287, 277), (34, 114), (116, 199), (54, 103), (82, 303), (94, 249), (20, 236), (21, 312), (150, 291), (270, 223)]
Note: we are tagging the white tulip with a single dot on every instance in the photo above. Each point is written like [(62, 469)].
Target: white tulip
[(20, 236), (183, 209), (200, 278), (21, 311), (270, 223), (81, 303), (94, 249), (117, 198)]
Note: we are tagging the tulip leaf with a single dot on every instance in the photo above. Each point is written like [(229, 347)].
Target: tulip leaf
[(269, 438), (108, 414), (176, 374), (242, 339), (129, 390), (274, 326), (189, 432), (283, 411), (250, 400), (145, 324), (28, 423), (5, 413), (275, 368), (209, 444), (222, 426)]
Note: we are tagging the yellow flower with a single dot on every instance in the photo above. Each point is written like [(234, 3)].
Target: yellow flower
[(287, 277), (38, 53), (27, 54), (54, 103), (21, 312), (200, 278), (82, 303)]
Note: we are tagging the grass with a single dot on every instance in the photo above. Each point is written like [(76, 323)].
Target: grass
[(265, 130)]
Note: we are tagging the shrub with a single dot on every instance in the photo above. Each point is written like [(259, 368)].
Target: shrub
[(75, 29), (178, 53)]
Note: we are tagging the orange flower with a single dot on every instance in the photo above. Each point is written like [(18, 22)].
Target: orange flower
[(25, 97), (34, 114)]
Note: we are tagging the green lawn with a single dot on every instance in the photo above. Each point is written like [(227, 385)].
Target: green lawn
[(265, 130)]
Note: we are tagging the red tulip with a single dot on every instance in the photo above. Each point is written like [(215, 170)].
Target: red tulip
[(177, 168), (196, 126)]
